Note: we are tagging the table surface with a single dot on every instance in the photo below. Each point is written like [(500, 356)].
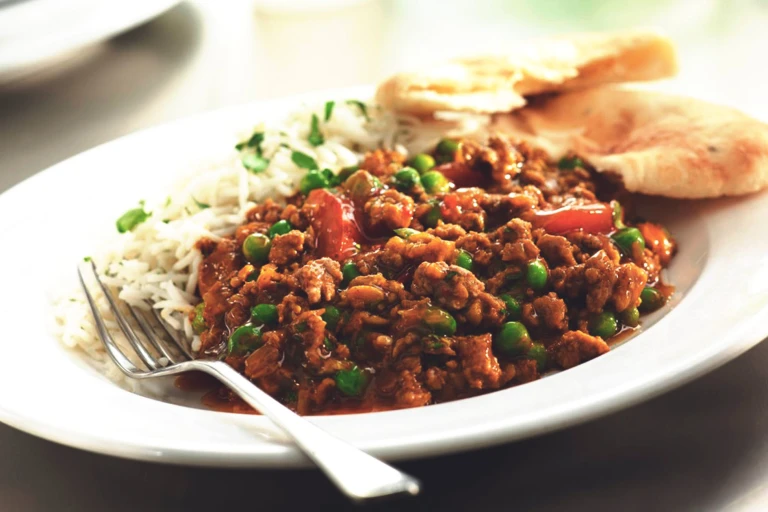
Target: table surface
[(701, 447)]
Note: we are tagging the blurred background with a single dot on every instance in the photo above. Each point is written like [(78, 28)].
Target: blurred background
[(157, 60)]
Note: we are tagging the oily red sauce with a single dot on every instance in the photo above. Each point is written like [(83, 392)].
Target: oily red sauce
[(386, 291), (195, 381), (221, 401)]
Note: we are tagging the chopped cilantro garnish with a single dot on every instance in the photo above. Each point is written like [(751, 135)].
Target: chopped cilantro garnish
[(132, 218), (254, 142), (315, 137), (329, 109), (362, 106), (255, 163), (201, 205), (304, 161)]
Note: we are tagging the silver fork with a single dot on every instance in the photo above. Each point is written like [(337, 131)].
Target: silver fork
[(357, 474)]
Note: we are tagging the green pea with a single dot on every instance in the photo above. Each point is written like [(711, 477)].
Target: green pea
[(651, 299), (603, 325), (536, 275), (439, 321), (331, 317), (349, 271), (198, 323), (407, 178), (280, 227), (570, 163), (446, 150), (264, 313), (513, 307), (627, 239), (630, 317), (313, 180), (245, 338), (351, 382), (361, 185), (435, 182), (464, 260), (433, 216), (256, 248), (538, 353), (131, 219), (513, 339), (422, 162), (406, 232)]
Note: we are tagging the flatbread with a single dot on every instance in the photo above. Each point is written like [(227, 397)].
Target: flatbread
[(659, 144), (500, 83)]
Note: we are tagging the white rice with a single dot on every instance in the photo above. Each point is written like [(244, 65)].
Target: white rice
[(157, 262)]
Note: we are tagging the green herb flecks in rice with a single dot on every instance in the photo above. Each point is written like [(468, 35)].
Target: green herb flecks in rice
[(304, 161), (315, 136), (362, 106), (255, 163), (132, 218), (329, 110)]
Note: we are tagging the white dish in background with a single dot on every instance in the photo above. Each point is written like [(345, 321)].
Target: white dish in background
[(35, 31), (49, 222)]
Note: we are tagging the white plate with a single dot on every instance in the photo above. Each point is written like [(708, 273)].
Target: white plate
[(49, 222), (34, 31)]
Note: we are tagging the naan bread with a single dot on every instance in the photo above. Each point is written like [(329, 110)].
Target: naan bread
[(659, 144), (500, 83)]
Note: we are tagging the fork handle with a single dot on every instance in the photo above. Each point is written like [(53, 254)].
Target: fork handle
[(357, 474)]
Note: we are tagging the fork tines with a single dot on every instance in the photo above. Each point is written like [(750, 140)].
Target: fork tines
[(157, 348)]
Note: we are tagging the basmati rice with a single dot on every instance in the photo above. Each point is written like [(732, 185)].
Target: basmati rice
[(157, 262)]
